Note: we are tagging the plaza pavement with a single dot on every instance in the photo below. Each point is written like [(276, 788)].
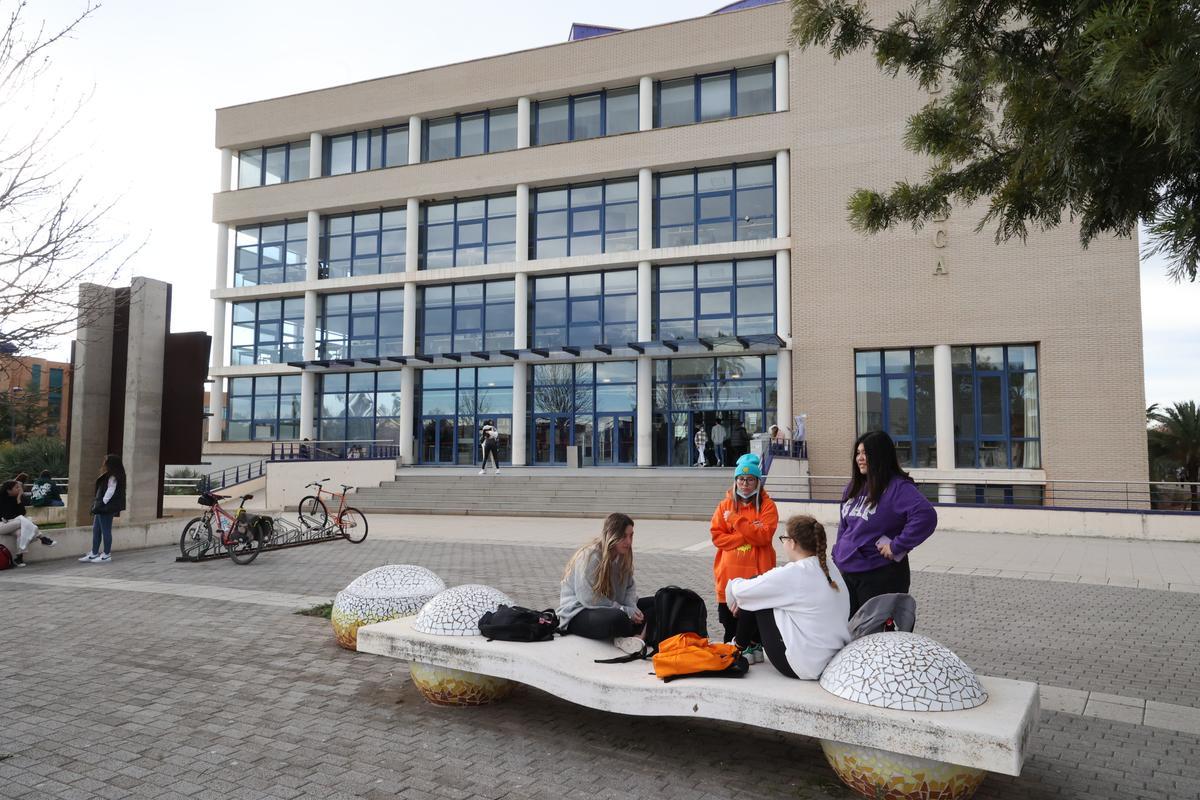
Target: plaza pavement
[(148, 678)]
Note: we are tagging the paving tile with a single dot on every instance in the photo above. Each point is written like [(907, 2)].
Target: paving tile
[(1173, 717), (1057, 698), (1116, 699), (1118, 712)]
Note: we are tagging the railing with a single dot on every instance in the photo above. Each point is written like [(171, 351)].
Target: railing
[(231, 476), (335, 450), (1155, 496)]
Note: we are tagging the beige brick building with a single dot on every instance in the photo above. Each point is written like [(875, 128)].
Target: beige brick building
[(613, 242)]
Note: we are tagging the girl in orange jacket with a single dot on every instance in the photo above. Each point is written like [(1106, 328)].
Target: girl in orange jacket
[(743, 530)]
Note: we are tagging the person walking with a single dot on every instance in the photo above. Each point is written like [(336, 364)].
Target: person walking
[(883, 517), (489, 441), (701, 441), (718, 437), (739, 441), (108, 502), (14, 521)]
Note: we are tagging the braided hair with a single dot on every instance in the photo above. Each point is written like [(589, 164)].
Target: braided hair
[(809, 534)]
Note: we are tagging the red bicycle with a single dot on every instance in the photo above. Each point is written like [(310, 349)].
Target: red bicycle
[(350, 522), (242, 535)]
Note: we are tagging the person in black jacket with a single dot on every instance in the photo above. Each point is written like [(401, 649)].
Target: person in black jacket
[(108, 503), (13, 520)]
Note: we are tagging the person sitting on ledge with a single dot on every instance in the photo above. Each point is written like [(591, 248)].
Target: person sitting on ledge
[(598, 598), (14, 521)]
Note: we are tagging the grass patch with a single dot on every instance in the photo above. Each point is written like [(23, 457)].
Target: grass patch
[(324, 611), (52, 526)]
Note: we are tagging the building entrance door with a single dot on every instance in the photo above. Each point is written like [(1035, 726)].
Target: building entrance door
[(616, 443), (437, 440), (682, 451), (551, 435)]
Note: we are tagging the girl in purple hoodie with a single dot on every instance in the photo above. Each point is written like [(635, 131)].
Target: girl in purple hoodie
[(883, 517)]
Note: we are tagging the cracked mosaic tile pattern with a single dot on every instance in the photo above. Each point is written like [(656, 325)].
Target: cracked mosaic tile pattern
[(880, 775), (387, 592), (456, 612), (445, 686), (904, 671)]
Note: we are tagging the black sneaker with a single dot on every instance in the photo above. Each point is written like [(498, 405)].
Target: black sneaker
[(19, 561), (47, 541)]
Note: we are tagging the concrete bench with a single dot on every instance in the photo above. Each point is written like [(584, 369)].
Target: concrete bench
[(991, 737)]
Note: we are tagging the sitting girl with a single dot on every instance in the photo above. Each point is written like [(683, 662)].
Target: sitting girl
[(598, 598), (801, 607)]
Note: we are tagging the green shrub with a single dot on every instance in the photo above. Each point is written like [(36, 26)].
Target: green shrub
[(183, 472), (33, 456)]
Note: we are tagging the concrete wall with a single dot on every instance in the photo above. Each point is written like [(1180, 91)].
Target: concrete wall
[(74, 542), (90, 387), (286, 479), (149, 312)]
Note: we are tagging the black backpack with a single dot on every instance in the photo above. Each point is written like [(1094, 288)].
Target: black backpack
[(676, 611), (516, 624)]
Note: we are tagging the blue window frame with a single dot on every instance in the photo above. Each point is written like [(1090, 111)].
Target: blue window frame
[(362, 324), (714, 299), (465, 317), (267, 332), (585, 116), (996, 416), (586, 309), (360, 406), (589, 405), (717, 204), (360, 151), (460, 233), (716, 95), (272, 252), (894, 393), (454, 405), (364, 243), (582, 220), (280, 163), (458, 135), (265, 408)]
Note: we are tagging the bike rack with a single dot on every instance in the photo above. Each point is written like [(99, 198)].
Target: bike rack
[(284, 533)]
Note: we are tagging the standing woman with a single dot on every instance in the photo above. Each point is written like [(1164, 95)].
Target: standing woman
[(108, 503), (883, 517)]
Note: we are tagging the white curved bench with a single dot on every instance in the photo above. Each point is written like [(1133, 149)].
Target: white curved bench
[(992, 737)]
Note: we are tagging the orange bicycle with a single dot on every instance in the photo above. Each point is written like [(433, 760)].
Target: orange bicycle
[(350, 522)]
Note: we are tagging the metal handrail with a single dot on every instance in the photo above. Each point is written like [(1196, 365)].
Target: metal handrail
[(335, 450)]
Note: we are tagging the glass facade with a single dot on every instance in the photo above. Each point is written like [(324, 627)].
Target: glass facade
[(996, 419), (721, 204), (894, 393), (585, 116), (591, 406), (359, 406), (455, 404), (587, 309), (263, 408), (700, 98), (273, 252), (464, 232), (364, 243), (364, 150), (267, 332), (582, 220), (461, 135), (722, 298), (280, 163), (361, 325), (466, 317)]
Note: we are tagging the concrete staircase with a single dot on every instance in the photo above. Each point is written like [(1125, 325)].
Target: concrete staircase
[(658, 494)]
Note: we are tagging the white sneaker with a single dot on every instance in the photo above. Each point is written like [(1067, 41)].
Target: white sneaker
[(497, 470), (482, 472), (629, 644), (90, 557), (105, 557)]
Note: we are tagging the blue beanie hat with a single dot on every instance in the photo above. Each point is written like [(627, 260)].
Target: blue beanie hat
[(748, 464)]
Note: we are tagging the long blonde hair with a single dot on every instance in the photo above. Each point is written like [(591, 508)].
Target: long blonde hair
[(613, 531)]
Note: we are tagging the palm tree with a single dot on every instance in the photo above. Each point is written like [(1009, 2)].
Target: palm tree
[(1177, 436)]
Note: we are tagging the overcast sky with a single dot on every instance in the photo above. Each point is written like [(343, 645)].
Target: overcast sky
[(155, 71)]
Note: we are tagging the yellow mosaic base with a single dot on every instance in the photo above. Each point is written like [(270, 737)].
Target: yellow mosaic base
[(880, 775), (345, 627), (443, 686)]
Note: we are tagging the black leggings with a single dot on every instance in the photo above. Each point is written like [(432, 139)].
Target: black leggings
[(742, 629), (772, 642), (609, 623), (890, 579)]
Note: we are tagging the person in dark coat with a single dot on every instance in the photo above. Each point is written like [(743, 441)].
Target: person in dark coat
[(13, 520), (109, 502)]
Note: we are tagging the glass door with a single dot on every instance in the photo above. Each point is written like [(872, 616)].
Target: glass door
[(437, 440)]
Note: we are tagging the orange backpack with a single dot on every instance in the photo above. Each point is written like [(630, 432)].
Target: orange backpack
[(690, 655)]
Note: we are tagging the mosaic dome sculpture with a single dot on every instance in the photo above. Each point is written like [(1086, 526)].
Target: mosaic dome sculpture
[(876, 773), (904, 671), (456, 612), (388, 592)]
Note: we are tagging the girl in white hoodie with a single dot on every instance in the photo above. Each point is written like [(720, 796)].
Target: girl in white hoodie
[(801, 608)]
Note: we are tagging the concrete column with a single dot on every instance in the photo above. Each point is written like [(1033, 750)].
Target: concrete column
[(646, 103), (783, 194), (222, 278), (91, 388), (782, 85), (783, 394), (522, 244), (645, 307), (149, 314), (312, 247), (412, 239), (520, 413), (312, 271), (226, 174), (414, 140), (216, 395), (783, 294), (645, 209), (316, 156), (408, 381), (523, 121), (943, 410), (521, 311), (645, 411), (310, 325), (308, 402)]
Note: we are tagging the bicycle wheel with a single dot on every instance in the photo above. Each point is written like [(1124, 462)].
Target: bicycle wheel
[(196, 539), (313, 513), (353, 524), (244, 545)]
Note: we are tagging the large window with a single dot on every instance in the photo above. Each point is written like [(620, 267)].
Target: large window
[(268, 332), (721, 298), (455, 404), (274, 252), (465, 232), (581, 220), (894, 393), (722, 204), (585, 116), (280, 163), (264, 408), (362, 324), (460, 135), (363, 150), (591, 406), (364, 243), (996, 420), (699, 98), (466, 317), (583, 310), (359, 406)]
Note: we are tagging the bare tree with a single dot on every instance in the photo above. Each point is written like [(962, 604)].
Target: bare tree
[(51, 237)]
